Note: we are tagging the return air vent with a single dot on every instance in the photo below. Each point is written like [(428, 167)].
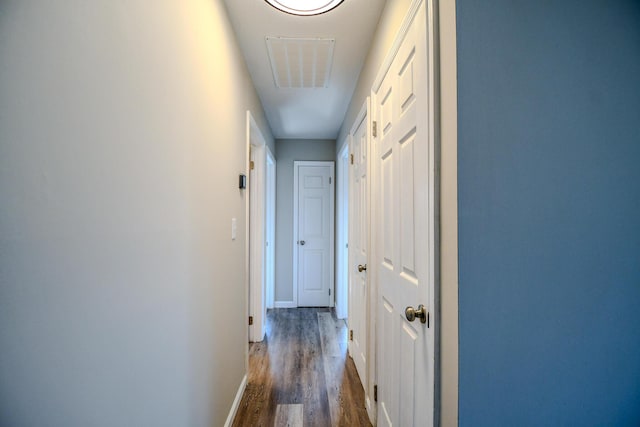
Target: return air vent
[(300, 63)]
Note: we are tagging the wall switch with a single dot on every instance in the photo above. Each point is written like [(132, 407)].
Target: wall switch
[(234, 228)]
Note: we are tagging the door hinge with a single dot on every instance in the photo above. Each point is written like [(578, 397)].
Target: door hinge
[(351, 335), (252, 165), (329, 291), (374, 129), (352, 159), (329, 180), (250, 320), (375, 393), (428, 319)]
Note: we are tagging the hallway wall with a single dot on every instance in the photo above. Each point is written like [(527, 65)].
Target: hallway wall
[(290, 150), (122, 134), (390, 20), (549, 195)]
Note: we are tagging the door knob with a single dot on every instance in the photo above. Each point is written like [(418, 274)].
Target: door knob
[(362, 268), (420, 313), (302, 242)]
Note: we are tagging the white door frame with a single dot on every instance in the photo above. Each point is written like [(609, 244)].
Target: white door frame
[(342, 232), (257, 236), (296, 167), (447, 291), (270, 213)]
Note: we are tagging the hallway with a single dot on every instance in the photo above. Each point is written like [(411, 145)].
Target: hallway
[(301, 374)]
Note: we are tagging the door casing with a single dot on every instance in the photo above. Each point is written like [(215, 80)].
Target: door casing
[(256, 236), (342, 233), (270, 218)]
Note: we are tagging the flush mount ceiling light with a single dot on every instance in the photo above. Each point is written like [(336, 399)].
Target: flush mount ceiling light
[(304, 7)]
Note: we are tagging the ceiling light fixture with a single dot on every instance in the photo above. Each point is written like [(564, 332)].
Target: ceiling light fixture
[(305, 7)]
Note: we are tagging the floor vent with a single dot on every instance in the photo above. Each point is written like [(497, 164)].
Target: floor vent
[(300, 63)]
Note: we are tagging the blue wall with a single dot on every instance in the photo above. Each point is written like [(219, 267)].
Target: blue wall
[(549, 212)]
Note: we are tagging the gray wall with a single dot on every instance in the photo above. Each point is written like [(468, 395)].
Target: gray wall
[(390, 21), (122, 133), (290, 150), (549, 202)]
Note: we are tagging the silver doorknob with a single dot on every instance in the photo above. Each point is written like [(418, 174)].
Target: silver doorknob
[(411, 314), (362, 268), (302, 242)]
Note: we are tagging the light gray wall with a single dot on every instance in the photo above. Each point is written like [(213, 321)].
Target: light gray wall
[(122, 133), (390, 20), (290, 150)]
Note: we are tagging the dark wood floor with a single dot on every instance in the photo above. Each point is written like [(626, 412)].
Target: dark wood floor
[(301, 374)]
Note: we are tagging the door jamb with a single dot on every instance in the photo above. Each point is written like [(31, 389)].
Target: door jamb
[(342, 232), (256, 237), (270, 227), (447, 142)]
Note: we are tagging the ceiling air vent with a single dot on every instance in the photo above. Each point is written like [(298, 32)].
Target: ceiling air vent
[(300, 63)]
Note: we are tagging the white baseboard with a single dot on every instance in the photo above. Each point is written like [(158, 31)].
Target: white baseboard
[(236, 403), (285, 304)]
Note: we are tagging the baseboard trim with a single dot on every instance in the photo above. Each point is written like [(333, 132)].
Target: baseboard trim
[(236, 403), (285, 304)]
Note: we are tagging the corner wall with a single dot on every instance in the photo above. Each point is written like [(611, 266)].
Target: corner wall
[(122, 134), (390, 20), (549, 195)]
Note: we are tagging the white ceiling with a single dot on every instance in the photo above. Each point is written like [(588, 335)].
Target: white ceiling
[(306, 113)]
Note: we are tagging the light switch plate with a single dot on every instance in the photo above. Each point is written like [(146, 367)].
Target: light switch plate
[(234, 228)]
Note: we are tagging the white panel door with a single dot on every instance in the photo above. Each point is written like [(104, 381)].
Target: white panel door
[(314, 236), (359, 247), (404, 230)]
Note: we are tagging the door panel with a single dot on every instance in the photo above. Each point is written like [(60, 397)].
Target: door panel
[(315, 233), (404, 232)]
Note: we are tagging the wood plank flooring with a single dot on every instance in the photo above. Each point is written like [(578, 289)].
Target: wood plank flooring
[(301, 375)]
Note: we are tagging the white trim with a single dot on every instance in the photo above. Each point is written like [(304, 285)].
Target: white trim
[(447, 335), (372, 409), (296, 166), (236, 402), (342, 232), (372, 275), (364, 110), (270, 228), (285, 304), (245, 195), (295, 235), (400, 35), (349, 237), (257, 232)]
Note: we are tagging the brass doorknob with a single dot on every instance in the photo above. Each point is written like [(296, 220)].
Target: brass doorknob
[(362, 268), (411, 314)]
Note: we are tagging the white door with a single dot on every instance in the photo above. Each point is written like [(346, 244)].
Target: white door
[(404, 230), (313, 231), (359, 246)]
